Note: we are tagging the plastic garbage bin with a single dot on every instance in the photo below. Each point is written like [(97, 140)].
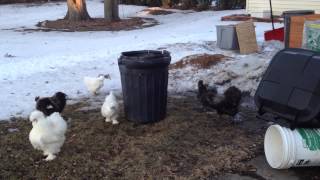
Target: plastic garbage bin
[(290, 87), (227, 37), (286, 16), (144, 80)]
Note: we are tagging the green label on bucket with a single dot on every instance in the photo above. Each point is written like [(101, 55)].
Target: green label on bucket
[(311, 138)]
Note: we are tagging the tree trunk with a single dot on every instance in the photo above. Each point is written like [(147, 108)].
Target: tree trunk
[(111, 10), (77, 10), (225, 4), (166, 3), (188, 4)]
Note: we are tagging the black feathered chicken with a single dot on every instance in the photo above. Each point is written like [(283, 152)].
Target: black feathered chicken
[(205, 95), (49, 105), (228, 103)]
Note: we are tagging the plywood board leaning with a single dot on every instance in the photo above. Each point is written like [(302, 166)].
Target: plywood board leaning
[(247, 37)]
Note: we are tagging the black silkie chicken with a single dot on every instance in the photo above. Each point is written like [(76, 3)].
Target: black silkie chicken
[(205, 95), (228, 103), (49, 105)]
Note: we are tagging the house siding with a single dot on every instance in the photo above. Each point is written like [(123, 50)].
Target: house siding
[(261, 8)]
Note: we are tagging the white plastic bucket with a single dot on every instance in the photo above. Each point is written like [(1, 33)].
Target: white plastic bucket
[(285, 148)]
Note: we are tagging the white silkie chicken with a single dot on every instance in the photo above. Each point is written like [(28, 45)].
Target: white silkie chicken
[(110, 108), (48, 133), (94, 84)]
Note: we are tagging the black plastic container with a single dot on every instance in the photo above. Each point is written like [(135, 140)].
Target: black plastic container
[(290, 88), (287, 21), (144, 79)]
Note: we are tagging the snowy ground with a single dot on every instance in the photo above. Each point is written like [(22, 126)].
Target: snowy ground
[(46, 62), (243, 71)]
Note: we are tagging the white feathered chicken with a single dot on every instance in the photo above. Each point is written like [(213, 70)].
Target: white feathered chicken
[(48, 133), (110, 108), (94, 84)]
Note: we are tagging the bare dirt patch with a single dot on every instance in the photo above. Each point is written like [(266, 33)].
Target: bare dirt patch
[(200, 61), (96, 24), (246, 17), (188, 144), (157, 11)]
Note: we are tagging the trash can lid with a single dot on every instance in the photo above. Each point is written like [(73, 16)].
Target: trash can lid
[(297, 12), (145, 59), (228, 25)]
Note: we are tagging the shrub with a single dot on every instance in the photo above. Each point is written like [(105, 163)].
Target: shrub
[(188, 4), (230, 4), (183, 4), (142, 2), (204, 4)]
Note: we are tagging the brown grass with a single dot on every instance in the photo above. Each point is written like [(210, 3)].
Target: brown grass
[(188, 144), (157, 11), (200, 61), (246, 17)]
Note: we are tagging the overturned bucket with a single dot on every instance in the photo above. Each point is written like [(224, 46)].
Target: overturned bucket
[(285, 148)]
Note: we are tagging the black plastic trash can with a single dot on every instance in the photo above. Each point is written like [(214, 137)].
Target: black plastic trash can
[(287, 21), (290, 87), (144, 80)]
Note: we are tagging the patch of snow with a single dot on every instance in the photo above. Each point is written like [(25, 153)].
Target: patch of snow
[(12, 130), (243, 71)]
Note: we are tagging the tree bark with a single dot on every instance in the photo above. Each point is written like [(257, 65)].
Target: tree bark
[(166, 3), (188, 4), (111, 10), (77, 10)]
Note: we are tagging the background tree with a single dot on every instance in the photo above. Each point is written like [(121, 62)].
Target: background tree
[(204, 4), (143, 2), (111, 10), (77, 10), (230, 4), (188, 4), (169, 3), (182, 4)]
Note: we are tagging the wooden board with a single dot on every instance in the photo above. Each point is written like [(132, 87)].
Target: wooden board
[(247, 37), (296, 29)]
